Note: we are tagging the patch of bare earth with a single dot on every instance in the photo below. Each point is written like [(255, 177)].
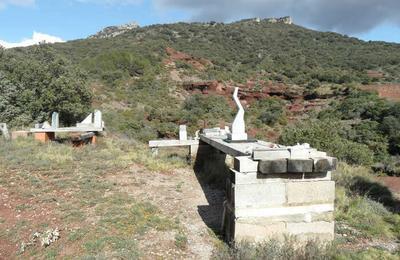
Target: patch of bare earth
[(179, 196), (388, 91)]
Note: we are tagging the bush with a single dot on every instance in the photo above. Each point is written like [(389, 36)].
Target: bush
[(33, 87), (269, 111), (330, 136)]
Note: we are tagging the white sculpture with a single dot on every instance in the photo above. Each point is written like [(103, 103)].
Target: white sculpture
[(238, 132)]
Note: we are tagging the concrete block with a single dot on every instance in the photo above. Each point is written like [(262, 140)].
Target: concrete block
[(273, 166), (44, 137), (315, 153), (333, 161), (252, 232), (311, 192), (245, 164), (300, 165), (299, 153), (318, 176), (244, 177), (322, 164), (260, 195), (319, 227), (271, 154)]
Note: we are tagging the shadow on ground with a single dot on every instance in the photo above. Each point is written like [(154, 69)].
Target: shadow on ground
[(211, 172), (377, 192)]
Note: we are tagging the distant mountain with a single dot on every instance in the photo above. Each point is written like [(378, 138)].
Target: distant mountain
[(113, 31)]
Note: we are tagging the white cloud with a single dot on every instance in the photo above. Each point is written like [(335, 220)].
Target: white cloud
[(36, 39), (4, 3)]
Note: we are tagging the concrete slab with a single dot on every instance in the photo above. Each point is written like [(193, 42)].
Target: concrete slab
[(271, 154), (172, 143)]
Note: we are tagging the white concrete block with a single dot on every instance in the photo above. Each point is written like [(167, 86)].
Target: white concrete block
[(260, 195), (315, 153), (245, 164), (312, 192), (252, 232)]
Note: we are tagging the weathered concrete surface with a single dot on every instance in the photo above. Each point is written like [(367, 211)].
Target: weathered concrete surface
[(244, 164), (19, 134), (311, 192), (300, 165), (44, 136), (273, 166), (271, 154), (260, 195)]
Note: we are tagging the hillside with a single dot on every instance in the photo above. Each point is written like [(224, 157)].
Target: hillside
[(148, 80), (115, 200)]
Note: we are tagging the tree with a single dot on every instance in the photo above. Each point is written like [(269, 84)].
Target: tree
[(34, 86)]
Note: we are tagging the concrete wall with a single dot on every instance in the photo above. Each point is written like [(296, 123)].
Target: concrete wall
[(260, 206)]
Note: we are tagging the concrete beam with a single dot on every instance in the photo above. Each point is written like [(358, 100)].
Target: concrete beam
[(172, 143)]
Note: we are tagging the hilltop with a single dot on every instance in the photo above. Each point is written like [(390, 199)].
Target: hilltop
[(116, 200)]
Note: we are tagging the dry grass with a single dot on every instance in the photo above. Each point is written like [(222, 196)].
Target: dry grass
[(56, 185)]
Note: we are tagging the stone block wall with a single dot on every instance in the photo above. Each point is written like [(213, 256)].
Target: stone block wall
[(263, 205)]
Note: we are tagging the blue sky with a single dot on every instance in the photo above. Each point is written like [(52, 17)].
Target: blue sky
[(73, 19)]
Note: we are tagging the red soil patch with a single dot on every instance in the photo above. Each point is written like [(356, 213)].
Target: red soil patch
[(197, 63), (393, 183), (12, 212), (388, 91)]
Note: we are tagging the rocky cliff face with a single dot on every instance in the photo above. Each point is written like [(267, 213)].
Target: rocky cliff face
[(113, 31)]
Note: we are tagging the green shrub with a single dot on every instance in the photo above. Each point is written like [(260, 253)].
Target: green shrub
[(269, 111), (330, 136), (32, 88)]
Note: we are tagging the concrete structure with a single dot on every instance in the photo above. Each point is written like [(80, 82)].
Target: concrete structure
[(271, 191), (19, 134), (4, 131), (238, 132), (193, 144), (45, 132)]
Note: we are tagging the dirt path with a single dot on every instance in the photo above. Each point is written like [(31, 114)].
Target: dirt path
[(179, 196)]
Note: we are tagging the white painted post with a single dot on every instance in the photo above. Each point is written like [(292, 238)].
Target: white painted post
[(182, 133), (55, 123)]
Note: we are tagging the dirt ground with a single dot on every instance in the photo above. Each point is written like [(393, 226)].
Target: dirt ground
[(393, 183), (177, 194)]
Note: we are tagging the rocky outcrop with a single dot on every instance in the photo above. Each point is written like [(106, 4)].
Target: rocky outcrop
[(114, 31), (284, 20)]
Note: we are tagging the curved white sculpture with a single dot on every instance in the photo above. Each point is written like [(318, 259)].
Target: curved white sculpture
[(238, 132)]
